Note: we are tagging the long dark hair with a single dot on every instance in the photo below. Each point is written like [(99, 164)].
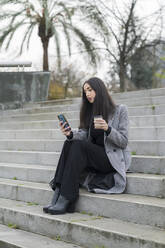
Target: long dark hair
[(102, 105)]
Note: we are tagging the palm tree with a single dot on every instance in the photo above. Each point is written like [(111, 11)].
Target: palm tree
[(51, 17)]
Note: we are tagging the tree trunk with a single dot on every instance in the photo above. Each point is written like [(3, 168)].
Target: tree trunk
[(45, 44), (122, 76), (66, 89)]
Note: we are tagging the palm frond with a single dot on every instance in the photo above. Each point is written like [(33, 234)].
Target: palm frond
[(65, 28), (96, 19), (5, 16), (10, 39), (91, 50), (14, 16), (8, 31), (32, 8), (52, 7), (5, 2), (58, 50), (30, 34), (66, 11), (25, 37), (44, 4)]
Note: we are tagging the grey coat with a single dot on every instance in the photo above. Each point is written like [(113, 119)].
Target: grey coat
[(116, 147)]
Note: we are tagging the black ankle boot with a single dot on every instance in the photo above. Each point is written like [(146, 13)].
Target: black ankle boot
[(62, 206), (54, 200)]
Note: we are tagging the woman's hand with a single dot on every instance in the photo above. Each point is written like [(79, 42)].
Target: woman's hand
[(65, 131), (100, 124)]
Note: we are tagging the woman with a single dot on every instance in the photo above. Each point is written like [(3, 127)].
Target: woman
[(98, 148)]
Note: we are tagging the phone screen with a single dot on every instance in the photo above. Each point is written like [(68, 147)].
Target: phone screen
[(62, 118)]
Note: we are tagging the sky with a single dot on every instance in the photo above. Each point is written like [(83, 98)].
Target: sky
[(34, 54)]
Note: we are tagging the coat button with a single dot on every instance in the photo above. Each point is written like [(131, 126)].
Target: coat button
[(114, 150)]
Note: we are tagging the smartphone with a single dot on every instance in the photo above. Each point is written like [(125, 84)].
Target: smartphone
[(62, 118)]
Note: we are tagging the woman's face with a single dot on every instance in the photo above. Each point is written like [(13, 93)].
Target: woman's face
[(89, 92)]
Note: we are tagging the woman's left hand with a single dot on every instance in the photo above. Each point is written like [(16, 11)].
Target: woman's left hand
[(100, 124)]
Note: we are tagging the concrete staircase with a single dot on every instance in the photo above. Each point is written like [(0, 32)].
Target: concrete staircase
[(30, 145)]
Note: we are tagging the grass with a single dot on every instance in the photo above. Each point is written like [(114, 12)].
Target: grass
[(13, 226), (88, 219), (14, 178), (98, 246), (58, 238), (133, 153), (32, 204), (153, 107), (84, 212)]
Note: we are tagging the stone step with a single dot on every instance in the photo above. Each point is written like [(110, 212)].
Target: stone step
[(51, 114), (48, 124), (144, 100), (152, 101), (29, 157), (32, 145), (139, 93), (64, 101), (140, 163), (139, 206), (148, 164), (39, 117), (146, 184), (146, 110), (32, 134), (123, 95), (46, 109), (147, 121), (147, 147), (27, 172), (146, 133), (137, 147), (44, 173), (16, 238), (137, 183), (85, 230), (135, 121), (135, 133)]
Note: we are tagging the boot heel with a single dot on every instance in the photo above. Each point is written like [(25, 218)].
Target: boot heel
[(71, 207)]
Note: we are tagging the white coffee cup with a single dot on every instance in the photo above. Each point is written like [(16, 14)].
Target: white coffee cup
[(98, 117)]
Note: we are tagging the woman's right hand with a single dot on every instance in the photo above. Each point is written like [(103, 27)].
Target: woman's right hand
[(65, 131)]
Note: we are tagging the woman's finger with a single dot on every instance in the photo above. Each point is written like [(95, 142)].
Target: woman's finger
[(60, 123), (63, 126), (100, 122)]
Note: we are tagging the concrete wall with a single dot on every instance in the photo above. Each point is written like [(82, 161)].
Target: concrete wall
[(20, 87)]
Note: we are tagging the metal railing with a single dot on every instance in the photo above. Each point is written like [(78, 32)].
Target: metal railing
[(16, 65)]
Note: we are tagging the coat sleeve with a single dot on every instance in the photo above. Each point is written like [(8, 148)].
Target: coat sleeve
[(81, 134), (119, 136)]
